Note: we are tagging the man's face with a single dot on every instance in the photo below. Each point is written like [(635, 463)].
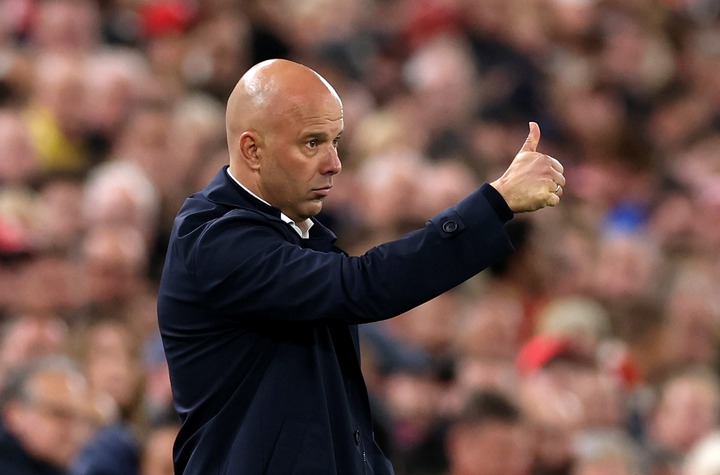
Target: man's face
[(493, 448), (157, 457), (688, 411), (298, 155), (53, 423)]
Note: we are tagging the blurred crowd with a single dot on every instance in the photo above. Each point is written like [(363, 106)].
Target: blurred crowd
[(592, 350)]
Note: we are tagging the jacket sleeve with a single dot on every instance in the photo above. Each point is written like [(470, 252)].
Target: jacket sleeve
[(248, 272)]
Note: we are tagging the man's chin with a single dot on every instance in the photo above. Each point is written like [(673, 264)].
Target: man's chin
[(314, 208)]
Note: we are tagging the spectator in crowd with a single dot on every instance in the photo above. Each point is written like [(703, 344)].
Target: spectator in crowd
[(109, 351), (114, 259), (60, 217), (489, 437), (607, 452), (19, 165), (65, 27), (56, 121), (46, 418), (28, 337), (418, 423), (115, 80), (687, 409), (117, 194), (158, 449)]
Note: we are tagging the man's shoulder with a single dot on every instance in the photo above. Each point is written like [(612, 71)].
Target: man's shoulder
[(199, 213), (221, 199)]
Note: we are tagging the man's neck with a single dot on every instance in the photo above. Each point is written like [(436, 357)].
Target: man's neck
[(302, 227)]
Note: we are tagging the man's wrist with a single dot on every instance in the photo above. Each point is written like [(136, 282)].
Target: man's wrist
[(497, 202)]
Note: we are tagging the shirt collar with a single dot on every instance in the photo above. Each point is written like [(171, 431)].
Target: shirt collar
[(308, 222)]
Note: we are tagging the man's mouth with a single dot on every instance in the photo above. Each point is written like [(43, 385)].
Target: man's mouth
[(324, 191)]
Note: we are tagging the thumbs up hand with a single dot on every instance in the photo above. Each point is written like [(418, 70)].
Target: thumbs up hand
[(533, 180)]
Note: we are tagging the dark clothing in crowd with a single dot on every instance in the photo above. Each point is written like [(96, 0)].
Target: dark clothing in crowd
[(15, 460), (112, 451)]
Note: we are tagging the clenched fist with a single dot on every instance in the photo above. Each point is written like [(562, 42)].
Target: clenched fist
[(533, 180)]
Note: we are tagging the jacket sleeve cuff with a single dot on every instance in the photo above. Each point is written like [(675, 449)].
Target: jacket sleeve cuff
[(497, 202)]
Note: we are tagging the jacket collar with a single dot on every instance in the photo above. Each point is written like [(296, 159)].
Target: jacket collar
[(224, 191)]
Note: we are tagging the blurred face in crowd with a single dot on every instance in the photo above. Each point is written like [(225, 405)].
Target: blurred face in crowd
[(19, 162), (608, 466), (688, 410), (52, 421), (113, 365), (284, 148), (157, 458), (114, 259), (29, 338), (553, 413), (490, 448), (48, 283), (60, 216), (59, 89), (66, 25)]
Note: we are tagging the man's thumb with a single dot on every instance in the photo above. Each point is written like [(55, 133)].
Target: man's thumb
[(533, 138)]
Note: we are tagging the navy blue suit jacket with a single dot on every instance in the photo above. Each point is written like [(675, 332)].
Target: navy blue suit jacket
[(259, 327)]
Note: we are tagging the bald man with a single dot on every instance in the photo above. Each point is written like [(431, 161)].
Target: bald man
[(259, 310)]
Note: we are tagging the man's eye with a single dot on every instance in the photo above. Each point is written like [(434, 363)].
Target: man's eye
[(336, 142), (312, 143)]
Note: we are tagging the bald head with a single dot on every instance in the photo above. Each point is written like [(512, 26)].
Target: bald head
[(267, 92), (283, 123)]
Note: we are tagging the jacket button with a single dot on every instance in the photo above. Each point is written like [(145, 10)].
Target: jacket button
[(449, 226), (358, 437)]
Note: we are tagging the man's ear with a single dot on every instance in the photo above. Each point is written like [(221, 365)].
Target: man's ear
[(250, 149)]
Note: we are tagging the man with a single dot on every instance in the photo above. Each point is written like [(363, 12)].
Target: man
[(257, 307), (46, 418), (157, 454), (687, 410), (490, 437)]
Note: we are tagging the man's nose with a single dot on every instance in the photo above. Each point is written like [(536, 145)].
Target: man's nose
[(332, 164)]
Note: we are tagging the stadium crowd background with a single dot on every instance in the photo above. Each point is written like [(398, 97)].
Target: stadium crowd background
[(593, 350)]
